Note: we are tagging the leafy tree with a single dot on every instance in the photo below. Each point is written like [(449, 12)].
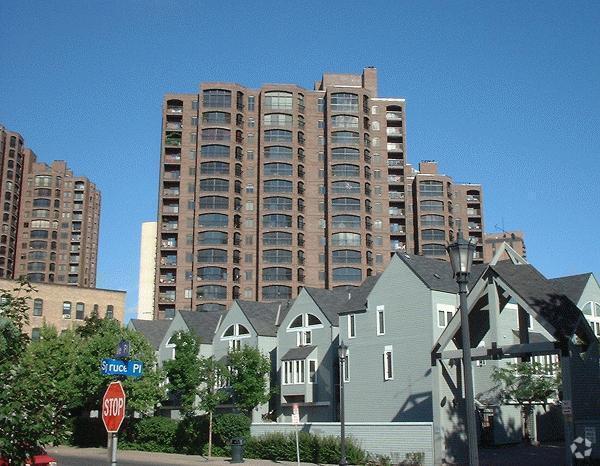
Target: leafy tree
[(143, 393), (183, 371), (249, 376), (32, 407), (212, 373), (526, 384)]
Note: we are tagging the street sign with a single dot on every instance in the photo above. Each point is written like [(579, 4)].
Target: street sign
[(117, 367), (295, 414), (122, 349), (113, 407)]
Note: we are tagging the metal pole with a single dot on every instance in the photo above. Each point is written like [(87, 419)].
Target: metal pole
[(343, 461), (297, 447), (113, 453), (468, 371)]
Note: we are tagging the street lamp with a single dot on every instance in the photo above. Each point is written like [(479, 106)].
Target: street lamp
[(342, 355), (461, 258)]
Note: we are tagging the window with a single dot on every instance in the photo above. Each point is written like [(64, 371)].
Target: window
[(345, 239), (213, 220), (388, 363), (215, 134), (219, 118), (351, 325), (38, 307), (212, 274), (345, 187), (212, 237), (431, 188), (344, 102), (346, 256), (345, 204), (432, 220), (277, 169), (278, 135), (214, 202), (278, 203), (345, 170), (445, 313), (436, 250), (345, 137), (277, 256), (110, 311), (277, 274), (312, 371), (592, 312), (436, 235), (277, 238), (344, 121), (380, 320), (214, 168), (234, 334), (214, 184), (214, 151), (66, 309), (211, 292), (212, 256), (278, 119), (216, 98), (432, 206), (293, 372), (346, 366), (276, 292), (79, 311), (346, 221), (347, 274), (35, 334), (277, 221), (278, 100), (278, 186), (278, 152)]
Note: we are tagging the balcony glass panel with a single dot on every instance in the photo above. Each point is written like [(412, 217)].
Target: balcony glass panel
[(347, 274), (277, 238), (277, 256), (212, 256), (278, 153)]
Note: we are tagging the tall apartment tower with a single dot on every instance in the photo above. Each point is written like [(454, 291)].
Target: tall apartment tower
[(58, 226), (263, 191)]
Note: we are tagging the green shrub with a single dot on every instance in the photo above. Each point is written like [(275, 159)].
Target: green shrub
[(217, 451), (151, 434), (88, 432), (313, 448), (228, 426), (192, 435), (414, 459)]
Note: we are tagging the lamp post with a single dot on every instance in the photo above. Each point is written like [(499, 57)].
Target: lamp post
[(342, 355), (461, 257)]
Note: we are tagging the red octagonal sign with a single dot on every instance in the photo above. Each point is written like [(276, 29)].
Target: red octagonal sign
[(113, 407)]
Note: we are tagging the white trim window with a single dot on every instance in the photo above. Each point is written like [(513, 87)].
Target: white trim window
[(445, 313), (234, 334), (304, 325), (312, 371), (293, 372), (347, 366), (351, 325), (388, 363), (380, 320), (591, 310)]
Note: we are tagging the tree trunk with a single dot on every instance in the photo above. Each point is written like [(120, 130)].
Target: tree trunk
[(526, 413), (210, 421)]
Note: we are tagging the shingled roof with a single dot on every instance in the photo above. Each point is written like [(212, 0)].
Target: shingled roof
[(437, 274), (329, 301), (153, 330), (262, 316), (572, 285), (202, 323), (543, 296), (359, 295)]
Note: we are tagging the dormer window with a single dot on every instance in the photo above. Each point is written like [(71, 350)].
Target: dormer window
[(303, 325), (234, 335)]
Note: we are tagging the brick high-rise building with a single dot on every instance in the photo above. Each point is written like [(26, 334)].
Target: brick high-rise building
[(263, 191), (50, 220)]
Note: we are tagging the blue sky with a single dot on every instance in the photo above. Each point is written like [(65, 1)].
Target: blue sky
[(502, 93)]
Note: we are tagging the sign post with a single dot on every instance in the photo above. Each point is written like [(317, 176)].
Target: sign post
[(113, 413), (296, 422)]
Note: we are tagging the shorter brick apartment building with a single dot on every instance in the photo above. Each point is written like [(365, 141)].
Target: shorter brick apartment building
[(65, 306)]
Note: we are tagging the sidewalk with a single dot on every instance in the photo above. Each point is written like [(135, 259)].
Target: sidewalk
[(97, 455)]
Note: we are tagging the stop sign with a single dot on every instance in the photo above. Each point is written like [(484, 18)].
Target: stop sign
[(113, 407)]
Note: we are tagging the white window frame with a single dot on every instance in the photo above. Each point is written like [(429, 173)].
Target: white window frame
[(351, 325), (380, 321), (293, 372), (346, 367), (235, 340), (304, 333), (448, 310), (594, 317), (388, 363), (312, 373)]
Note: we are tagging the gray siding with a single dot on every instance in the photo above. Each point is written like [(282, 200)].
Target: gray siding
[(394, 439)]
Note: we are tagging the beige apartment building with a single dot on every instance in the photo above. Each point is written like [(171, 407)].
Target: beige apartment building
[(264, 191), (492, 242), (65, 307), (50, 219)]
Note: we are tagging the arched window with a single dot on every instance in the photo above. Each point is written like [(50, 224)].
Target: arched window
[(347, 274), (346, 256), (278, 153), (278, 135), (345, 170), (272, 274), (345, 153), (277, 221), (212, 237), (212, 98), (276, 292), (345, 137), (214, 168), (214, 184), (214, 151), (216, 134), (212, 256), (213, 220), (278, 100), (278, 186), (433, 235), (431, 188), (344, 102), (345, 187), (346, 221), (277, 203), (345, 239), (434, 250), (281, 120), (211, 292), (277, 256), (432, 206), (344, 121), (216, 118), (212, 273), (277, 169), (432, 220), (214, 202), (210, 307), (277, 238), (345, 204)]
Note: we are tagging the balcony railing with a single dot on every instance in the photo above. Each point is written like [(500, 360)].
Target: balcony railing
[(394, 131), (172, 175), (396, 195), (396, 212), (393, 116), (171, 192), (174, 126), (168, 244), (170, 209), (395, 179), (170, 226), (394, 147), (172, 158), (473, 198), (166, 280), (163, 298), (175, 110), (395, 163)]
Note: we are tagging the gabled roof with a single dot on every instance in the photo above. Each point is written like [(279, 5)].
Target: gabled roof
[(572, 285), (301, 352), (329, 301), (437, 274), (262, 316), (202, 323), (153, 330), (542, 295), (359, 295)]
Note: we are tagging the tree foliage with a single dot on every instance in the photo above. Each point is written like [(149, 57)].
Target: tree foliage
[(249, 378)]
